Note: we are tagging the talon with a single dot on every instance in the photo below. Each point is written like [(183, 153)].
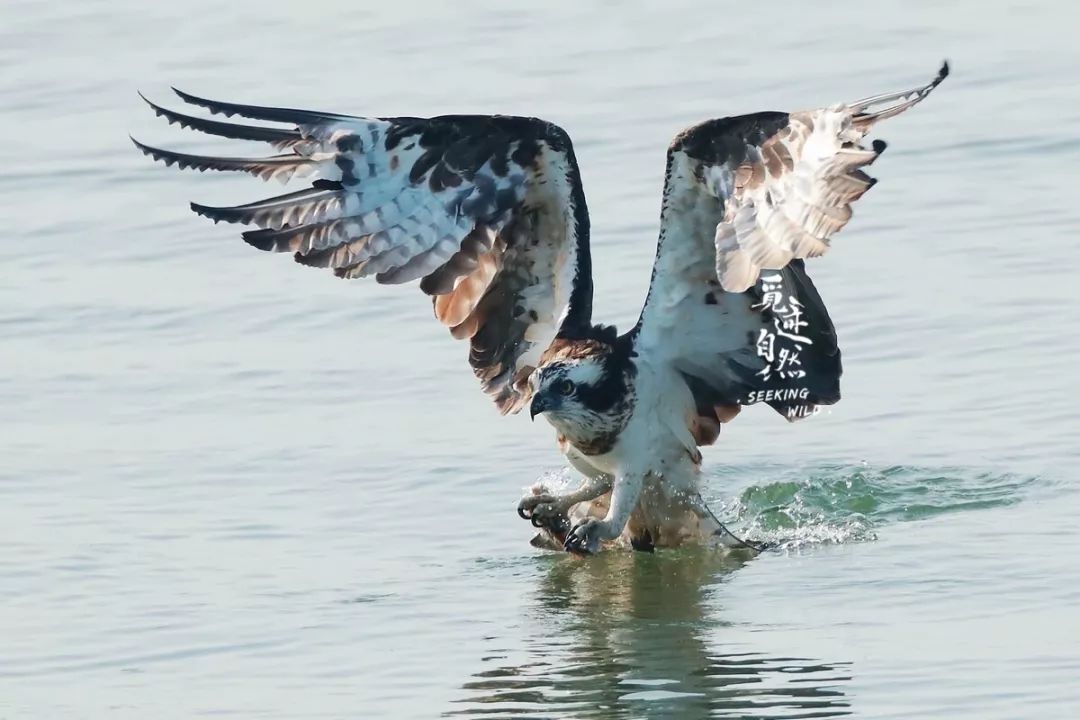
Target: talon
[(576, 541), (560, 524), (643, 543), (576, 549), (550, 518), (527, 505)]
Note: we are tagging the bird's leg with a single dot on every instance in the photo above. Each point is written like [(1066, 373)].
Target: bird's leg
[(587, 535), (548, 510), (711, 527)]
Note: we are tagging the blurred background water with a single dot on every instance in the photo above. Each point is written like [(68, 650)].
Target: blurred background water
[(232, 487)]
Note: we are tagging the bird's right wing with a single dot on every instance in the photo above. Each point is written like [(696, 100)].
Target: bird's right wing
[(486, 211)]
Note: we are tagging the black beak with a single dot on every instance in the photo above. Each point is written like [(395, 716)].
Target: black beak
[(538, 405)]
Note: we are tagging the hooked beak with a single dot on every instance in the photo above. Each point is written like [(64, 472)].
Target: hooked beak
[(538, 405)]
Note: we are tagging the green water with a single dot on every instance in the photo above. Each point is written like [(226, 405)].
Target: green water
[(840, 504), (231, 488), (654, 635)]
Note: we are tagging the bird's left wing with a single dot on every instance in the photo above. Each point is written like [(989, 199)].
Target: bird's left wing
[(487, 211), (745, 199)]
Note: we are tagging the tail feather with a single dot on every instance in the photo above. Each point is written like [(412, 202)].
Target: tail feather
[(821, 359), (796, 396)]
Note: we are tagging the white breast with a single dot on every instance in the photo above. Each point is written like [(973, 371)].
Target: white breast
[(657, 439)]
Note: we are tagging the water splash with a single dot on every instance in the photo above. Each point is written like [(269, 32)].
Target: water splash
[(796, 507), (793, 507)]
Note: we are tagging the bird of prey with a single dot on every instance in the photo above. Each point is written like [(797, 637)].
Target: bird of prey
[(488, 213)]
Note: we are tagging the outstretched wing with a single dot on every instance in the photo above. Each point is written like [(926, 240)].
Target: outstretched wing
[(486, 211), (787, 181), (745, 199)]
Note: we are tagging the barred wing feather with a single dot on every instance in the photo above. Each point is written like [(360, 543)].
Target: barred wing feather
[(787, 181), (487, 212), (746, 199)]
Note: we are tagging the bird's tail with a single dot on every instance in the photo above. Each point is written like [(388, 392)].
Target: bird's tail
[(800, 343)]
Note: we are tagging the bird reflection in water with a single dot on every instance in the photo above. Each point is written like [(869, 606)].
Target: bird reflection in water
[(634, 635)]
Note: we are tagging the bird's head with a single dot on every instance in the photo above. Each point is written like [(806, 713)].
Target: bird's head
[(582, 387), (562, 389)]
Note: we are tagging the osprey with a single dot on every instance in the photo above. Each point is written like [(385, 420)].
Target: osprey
[(489, 214)]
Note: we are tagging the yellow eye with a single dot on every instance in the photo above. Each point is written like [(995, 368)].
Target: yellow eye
[(564, 387)]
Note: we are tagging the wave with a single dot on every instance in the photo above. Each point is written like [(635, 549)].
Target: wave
[(795, 507)]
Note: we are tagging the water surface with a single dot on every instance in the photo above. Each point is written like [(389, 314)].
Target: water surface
[(232, 487)]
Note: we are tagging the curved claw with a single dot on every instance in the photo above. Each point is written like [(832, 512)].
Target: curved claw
[(527, 505), (574, 545), (559, 524), (549, 519), (578, 541)]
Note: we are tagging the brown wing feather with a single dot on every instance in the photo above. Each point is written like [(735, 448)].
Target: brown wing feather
[(744, 194), (486, 211), (786, 181)]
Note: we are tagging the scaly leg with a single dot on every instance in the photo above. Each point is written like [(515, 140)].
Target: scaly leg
[(587, 535), (548, 510)]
